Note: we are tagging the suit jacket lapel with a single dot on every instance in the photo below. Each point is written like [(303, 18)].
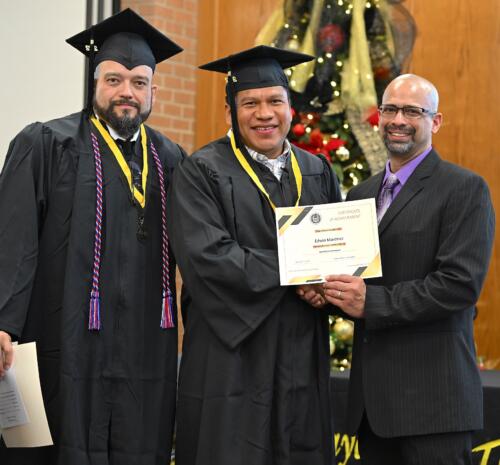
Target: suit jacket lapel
[(416, 182)]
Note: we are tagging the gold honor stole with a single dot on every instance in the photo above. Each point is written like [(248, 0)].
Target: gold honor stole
[(141, 198), (253, 175)]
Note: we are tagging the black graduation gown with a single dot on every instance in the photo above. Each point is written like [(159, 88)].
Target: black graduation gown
[(110, 392), (253, 382)]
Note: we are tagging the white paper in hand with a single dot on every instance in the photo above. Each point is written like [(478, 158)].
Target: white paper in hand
[(36, 432), (12, 409)]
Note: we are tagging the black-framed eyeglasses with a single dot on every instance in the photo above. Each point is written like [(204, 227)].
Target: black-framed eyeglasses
[(409, 111)]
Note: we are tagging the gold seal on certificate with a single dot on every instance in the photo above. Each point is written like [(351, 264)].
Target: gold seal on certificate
[(335, 238)]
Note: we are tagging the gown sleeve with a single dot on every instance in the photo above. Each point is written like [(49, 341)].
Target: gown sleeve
[(22, 206), (234, 287)]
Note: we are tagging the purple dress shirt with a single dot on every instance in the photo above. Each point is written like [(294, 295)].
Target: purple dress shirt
[(405, 172)]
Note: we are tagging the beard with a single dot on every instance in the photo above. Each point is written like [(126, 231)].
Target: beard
[(399, 148), (125, 125)]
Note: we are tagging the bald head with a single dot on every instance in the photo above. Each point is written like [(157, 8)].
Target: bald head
[(408, 131), (416, 87)]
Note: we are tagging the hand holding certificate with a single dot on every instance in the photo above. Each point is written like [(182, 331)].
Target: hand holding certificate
[(319, 240)]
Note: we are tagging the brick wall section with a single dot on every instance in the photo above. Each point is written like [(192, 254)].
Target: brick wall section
[(174, 111)]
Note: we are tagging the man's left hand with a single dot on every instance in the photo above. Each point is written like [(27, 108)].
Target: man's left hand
[(347, 293)]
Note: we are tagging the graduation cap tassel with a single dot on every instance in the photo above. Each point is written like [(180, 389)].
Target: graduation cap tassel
[(95, 311), (90, 76), (231, 96), (95, 301), (167, 306)]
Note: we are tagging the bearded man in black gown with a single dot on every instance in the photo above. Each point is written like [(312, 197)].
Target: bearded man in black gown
[(85, 268)]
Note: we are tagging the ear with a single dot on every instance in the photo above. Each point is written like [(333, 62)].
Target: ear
[(154, 89), (437, 121), (227, 111)]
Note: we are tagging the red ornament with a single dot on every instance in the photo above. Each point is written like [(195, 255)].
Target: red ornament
[(372, 117), (334, 144), (316, 138), (381, 73), (331, 37), (298, 130), (294, 113)]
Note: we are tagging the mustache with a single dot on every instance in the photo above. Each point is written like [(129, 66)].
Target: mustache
[(124, 102), (407, 129)]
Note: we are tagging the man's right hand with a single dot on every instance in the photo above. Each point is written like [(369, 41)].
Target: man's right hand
[(6, 352), (312, 294)]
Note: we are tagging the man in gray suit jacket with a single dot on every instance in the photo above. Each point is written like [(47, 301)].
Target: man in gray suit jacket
[(415, 393)]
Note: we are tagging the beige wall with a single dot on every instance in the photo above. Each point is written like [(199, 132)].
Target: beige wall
[(41, 76), (457, 48), (229, 26)]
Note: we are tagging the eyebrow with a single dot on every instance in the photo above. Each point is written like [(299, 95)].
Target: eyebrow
[(116, 74), (277, 96), (141, 76), (112, 74), (270, 97)]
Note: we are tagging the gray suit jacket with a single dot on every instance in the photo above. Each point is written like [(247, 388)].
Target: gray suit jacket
[(414, 362)]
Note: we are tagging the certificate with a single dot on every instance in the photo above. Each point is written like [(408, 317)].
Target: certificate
[(24, 422), (319, 240)]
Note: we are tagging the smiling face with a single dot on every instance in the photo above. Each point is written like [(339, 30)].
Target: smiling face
[(407, 138), (123, 97), (264, 117)]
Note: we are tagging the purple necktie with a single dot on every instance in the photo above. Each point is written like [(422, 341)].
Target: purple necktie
[(385, 197)]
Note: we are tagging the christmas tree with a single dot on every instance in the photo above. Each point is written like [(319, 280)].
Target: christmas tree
[(360, 46)]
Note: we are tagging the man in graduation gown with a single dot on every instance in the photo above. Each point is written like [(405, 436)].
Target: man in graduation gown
[(85, 269), (253, 383)]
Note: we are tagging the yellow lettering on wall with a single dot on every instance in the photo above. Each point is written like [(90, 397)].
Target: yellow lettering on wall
[(348, 445), (486, 449)]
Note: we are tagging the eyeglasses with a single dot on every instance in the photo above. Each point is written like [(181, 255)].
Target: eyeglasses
[(409, 111)]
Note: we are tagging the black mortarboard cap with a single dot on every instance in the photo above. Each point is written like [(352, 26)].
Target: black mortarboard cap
[(257, 67), (125, 38)]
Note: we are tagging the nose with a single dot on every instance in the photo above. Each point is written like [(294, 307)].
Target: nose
[(264, 111), (126, 89), (399, 118)]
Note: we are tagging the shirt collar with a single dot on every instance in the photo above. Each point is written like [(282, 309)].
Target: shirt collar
[(263, 158), (406, 170)]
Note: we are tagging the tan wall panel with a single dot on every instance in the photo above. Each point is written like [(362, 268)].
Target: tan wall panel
[(227, 27), (457, 48)]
